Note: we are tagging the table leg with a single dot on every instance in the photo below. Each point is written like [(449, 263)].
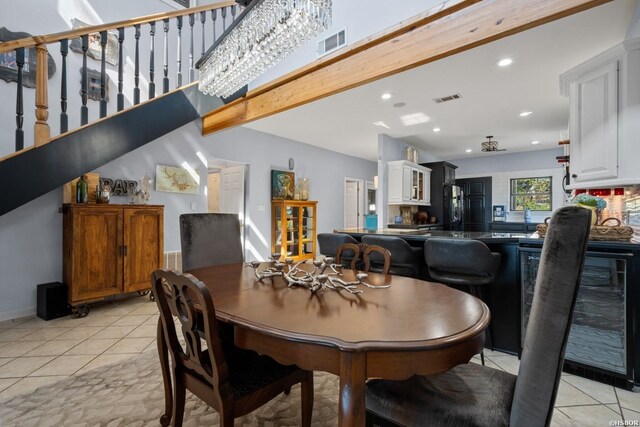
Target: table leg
[(353, 375), (163, 354)]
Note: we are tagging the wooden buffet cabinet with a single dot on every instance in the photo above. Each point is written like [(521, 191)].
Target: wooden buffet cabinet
[(293, 229), (110, 250)]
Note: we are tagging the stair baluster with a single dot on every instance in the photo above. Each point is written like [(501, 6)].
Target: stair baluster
[(120, 69), (214, 18), (84, 87), (179, 54), (19, 102), (152, 66), (64, 118), (192, 70), (203, 19), (223, 13), (165, 80), (103, 75), (136, 75), (41, 131), (233, 13)]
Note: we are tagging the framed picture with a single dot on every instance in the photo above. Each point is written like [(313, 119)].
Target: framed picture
[(176, 179), (93, 85), (94, 47), (9, 67), (282, 184)]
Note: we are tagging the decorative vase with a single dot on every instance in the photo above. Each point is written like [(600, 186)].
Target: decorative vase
[(594, 213)]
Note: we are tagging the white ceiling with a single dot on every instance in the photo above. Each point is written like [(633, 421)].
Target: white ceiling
[(492, 97)]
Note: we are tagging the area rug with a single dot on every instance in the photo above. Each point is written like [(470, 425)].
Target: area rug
[(131, 394)]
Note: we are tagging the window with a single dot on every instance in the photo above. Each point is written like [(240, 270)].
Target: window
[(531, 193)]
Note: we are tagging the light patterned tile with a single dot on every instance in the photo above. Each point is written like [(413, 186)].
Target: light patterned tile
[(148, 308), (23, 366), (153, 320), (630, 415), (114, 332), (615, 408), (119, 309), (507, 363), (591, 415), (53, 348), (80, 333), (129, 345), (8, 324), (66, 322), (559, 419), (45, 334), (101, 320), (152, 347), (28, 384), (148, 331), (601, 392), (32, 323), (6, 382), (63, 365), (18, 348), (93, 346), (103, 360), (131, 320), (5, 360), (568, 395), (629, 399), (14, 334)]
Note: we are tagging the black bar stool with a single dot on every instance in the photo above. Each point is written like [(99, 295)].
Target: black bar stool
[(328, 244), (463, 262), (405, 260)]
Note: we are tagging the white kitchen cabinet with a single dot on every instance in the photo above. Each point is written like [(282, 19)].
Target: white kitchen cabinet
[(604, 95), (408, 183)]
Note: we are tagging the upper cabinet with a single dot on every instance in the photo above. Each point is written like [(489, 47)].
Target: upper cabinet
[(409, 183), (604, 94)]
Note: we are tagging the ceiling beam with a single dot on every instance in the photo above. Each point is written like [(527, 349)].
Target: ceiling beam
[(415, 42)]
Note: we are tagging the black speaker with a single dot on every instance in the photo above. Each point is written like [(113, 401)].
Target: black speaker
[(52, 300)]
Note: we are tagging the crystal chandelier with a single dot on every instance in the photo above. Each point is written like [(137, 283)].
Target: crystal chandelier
[(265, 32)]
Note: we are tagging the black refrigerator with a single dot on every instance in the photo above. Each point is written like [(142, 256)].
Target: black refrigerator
[(447, 199)]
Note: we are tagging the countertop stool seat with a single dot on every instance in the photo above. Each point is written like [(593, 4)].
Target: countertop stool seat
[(406, 260), (463, 262)]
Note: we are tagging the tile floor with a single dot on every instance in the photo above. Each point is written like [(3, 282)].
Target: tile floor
[(34, 353)]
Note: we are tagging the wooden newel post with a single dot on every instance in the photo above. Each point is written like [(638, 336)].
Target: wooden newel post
[(42, 133)]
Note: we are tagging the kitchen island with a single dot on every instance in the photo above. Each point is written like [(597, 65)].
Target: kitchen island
[(605, 338)]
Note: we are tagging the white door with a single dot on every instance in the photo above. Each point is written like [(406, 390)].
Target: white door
[(232, 190), (351, 206)]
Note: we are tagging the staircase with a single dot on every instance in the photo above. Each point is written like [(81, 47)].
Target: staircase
[(50, 162)]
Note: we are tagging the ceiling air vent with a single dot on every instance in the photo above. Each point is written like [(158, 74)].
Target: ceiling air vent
[(332, 43), (447, 98)]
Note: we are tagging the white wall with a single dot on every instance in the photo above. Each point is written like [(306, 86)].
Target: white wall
[(31, 236), (504, 167)]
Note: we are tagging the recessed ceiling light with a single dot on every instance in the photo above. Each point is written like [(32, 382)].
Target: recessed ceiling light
[(525, 113), (468, 150), (436, 129), (505, 62), (386, 96), (381, 124), (535, 142), (414, 119)]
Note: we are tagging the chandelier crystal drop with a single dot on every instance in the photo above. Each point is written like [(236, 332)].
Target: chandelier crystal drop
[(269, 31)]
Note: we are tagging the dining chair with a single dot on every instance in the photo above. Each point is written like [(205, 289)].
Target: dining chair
[(231, 380), (347, 250), (475, 395), (463, 262), (405, 260), (209, 239), (328, 244), (376, 259)]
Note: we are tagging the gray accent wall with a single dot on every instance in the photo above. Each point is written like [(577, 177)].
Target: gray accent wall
[(31, 236)]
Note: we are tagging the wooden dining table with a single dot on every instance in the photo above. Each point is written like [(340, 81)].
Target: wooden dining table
[(412, 327)]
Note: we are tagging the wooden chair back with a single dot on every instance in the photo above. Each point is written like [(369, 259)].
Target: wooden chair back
[(347, 248), (374, 257)]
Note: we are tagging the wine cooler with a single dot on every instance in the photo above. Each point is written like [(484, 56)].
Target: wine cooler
[(599, 343)]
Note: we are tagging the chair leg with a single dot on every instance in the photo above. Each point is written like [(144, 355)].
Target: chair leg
[(478, 294), (307, 399), (226, 417), (179, 392), (165, 418)]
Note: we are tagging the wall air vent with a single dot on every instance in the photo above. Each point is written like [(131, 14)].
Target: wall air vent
[(447, 98), (332, 43)]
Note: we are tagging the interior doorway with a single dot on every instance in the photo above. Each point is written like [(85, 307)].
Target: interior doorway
[(353, 203), (226, 190)]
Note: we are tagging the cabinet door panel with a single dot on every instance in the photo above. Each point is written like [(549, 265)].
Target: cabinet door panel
[(143, 230), (96, 268), (594, 124)]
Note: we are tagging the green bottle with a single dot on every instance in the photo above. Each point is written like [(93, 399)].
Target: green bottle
[(82, 190)]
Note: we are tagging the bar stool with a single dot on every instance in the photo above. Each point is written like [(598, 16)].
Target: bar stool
[(405, 260), (463, 262), (328, 244)]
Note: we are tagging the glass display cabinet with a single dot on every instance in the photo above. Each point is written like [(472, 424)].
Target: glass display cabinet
[(293, 229)]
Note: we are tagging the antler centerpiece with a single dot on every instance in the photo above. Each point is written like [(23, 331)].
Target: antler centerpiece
[(325, 275)]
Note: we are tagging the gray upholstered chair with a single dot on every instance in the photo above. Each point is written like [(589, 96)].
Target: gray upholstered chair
[(209, 239), (405, 260), (475, 395), (463, 262), (328, 244)]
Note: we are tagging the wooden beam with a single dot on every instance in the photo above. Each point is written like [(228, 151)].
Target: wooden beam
[(416, 42)]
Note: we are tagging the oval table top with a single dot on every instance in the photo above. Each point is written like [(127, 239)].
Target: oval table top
[(410, 315)]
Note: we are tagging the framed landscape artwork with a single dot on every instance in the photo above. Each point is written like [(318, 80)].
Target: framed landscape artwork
[(9, 66), (175, 179), (94, 47), (282, 185)]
